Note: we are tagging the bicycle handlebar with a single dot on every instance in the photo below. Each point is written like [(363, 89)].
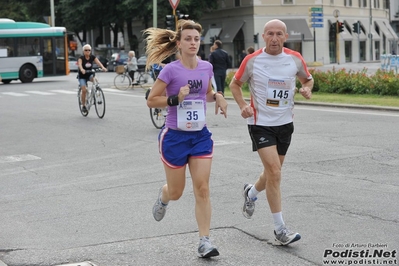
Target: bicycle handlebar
[(94, 70)]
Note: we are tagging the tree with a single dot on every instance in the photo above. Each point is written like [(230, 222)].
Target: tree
[(15, 11), (81, 16)]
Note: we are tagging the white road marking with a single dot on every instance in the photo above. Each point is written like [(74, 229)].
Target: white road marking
[(18, 158), (84, 263), (65, 91), (40, 92), (15, 94)]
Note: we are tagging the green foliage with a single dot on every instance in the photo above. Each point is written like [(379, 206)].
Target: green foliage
[(81, 16), (343, 82), (15, 11), (229, 77)]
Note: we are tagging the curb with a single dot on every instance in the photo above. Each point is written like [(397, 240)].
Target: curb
[(352, 106), (338, 105), (2, 263)]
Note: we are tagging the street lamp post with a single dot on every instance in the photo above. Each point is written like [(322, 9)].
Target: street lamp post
[(370, 34), (154, 14), (52, 13), (336, 15)]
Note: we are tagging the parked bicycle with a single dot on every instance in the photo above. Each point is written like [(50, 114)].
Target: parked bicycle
[(122, 81), (94, 96)]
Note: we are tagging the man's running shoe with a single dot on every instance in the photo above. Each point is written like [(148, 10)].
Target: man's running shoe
[(249, 204), (206, 249), (285, 237), (159, 208)]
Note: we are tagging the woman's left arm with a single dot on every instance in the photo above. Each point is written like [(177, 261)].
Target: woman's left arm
[(220, 101), (99, 63)]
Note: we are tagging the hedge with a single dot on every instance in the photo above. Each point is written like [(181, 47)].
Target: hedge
[(348, 82)]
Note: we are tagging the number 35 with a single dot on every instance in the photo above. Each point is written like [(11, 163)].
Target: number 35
[(192, 115)]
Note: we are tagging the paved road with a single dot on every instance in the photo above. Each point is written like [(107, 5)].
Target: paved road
[(66, 197)]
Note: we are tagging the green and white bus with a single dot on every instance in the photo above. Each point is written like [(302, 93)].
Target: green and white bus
[(31, 50)]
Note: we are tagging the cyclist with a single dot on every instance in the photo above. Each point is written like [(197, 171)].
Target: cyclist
[(85, 62), (132, 64)]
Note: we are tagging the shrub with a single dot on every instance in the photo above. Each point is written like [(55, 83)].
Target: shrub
[(348, 82), (229, 77)]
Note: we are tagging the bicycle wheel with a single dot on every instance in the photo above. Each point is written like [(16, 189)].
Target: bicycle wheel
[(122, 82), (80, 102), (99, 102), (143, 79), (158, 116)]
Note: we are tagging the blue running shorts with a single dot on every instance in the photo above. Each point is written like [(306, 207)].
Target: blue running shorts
[(177, 146)]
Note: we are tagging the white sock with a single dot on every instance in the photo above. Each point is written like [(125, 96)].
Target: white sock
[(278, 221), (252, 193)]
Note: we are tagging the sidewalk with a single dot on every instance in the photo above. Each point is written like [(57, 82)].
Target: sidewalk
[(371, 67)]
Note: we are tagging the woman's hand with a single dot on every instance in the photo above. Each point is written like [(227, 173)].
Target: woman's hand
[(220, 103), (184, 91)]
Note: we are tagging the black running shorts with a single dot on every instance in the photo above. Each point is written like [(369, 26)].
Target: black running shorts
[(263, 136)]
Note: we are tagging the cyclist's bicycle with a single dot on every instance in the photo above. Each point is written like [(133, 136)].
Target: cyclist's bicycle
[(158, 115), (122, 81), (94, 96)]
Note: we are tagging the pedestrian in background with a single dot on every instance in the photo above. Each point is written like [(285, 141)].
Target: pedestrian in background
[(185, 140), (250, 50), (220, 61), (271, 73), (243, 54), (211, 49)]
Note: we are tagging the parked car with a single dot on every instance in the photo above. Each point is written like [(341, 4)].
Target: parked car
[(117, 59), (103, 61), (141, 62), (73, 64)]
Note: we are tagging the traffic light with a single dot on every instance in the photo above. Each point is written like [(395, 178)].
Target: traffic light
[(333, 28), (170, 22), (356, 27), (212, 40), (333, 31), (256, 38), (340, 26)]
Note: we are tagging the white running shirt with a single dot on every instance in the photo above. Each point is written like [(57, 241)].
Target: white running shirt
[(271, 80)]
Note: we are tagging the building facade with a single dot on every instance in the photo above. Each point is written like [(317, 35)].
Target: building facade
[(237, 23)]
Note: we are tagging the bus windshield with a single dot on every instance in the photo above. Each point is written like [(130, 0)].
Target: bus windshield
[(31, 50)]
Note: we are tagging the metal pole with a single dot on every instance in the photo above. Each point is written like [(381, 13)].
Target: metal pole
[(358, 37), (371, 35), (174, 15), (314, 43), (337, 41), (52, 13), (154, 14)]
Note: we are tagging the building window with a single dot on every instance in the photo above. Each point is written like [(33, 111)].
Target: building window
[(288, 2), (331, 2), (377, 4), (348, 2), (363, 3), (237, 3), (385, 4)]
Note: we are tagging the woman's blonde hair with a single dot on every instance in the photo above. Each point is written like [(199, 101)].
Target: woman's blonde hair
[(161, 43)]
